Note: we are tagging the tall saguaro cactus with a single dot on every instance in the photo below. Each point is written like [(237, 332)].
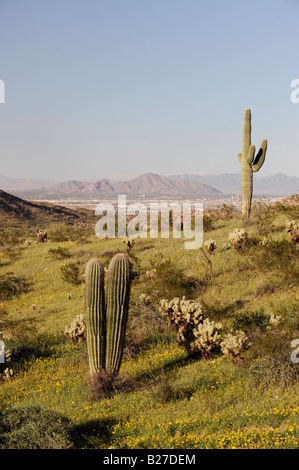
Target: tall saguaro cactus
[(106, 323), (250, 163)]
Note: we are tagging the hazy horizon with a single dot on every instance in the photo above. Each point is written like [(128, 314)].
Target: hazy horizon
[(90, 180), (115, 89)]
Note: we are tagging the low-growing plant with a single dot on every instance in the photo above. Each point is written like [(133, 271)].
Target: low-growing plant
[(12, 286), (282, 255), (145, 326), (60, 252), (70, 273), (274, 371), (27, 347), (251, 319), (103, 384), (68, 232), (170, 279), (208, 220), (33, 427), (162, 389), (293, 229)]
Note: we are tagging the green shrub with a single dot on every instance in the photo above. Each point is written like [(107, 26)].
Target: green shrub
[(277, 370), (32, 427), (67, 233), (26, 347), (170, 280), (70, 273), (249, 320), (281, 255), (145, 326), (11, 286), (60, 252)]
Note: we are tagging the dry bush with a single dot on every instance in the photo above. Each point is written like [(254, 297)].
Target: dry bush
[(104, 384)]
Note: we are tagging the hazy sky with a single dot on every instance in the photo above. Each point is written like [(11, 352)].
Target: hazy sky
[(117, 88)]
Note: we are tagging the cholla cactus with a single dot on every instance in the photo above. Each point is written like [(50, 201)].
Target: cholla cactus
[(77, 330), (293, 228), (41, 236), (129, 242), (7, 373), (210, 245), (208, 337), (263, 242), (150, 274), (233, 344), (238, 238), (185, 315), (274, 321), (144, 299)]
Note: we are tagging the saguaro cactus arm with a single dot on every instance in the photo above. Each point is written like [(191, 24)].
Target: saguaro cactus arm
[(260, 157)]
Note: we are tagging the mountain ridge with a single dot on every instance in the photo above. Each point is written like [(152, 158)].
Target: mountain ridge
[(152, 184), (278, 184), (146, 185), (15, 208)]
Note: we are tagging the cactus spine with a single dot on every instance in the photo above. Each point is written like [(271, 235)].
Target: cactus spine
[(106, 324), (250, 163)]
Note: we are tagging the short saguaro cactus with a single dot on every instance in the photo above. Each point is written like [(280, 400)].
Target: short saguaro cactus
[(106, 320)]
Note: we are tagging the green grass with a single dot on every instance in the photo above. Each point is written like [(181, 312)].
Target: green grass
[(175, 400)]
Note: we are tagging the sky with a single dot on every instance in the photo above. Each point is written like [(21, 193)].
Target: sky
[(117, 88)]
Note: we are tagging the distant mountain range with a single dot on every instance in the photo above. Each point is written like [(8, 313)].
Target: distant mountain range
[(230, 183), (151, 185), (147, 185)]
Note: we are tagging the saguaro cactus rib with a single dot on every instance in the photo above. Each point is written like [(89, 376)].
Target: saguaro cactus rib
[(250, 163)]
